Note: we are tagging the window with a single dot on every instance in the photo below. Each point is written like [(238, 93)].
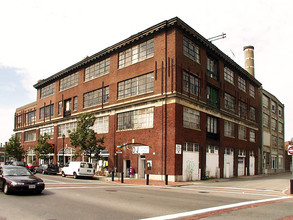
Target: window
[(48, 130), (252, 113), (274, 124), (228, 151), (191, 147), (241, 153), (252, 134), (241, 84), (48, 90), (69, 81), (64, 128), (19, 120), (190, 83), (30, 135), (281, 161), (96, 70), (212, 96), (281, 128), (251, 91), (60, 108), (265, 100), (273, 106), (212, 126), (229, 75), (265, 120), (274, 141), (136, 54), (229, 129), (30, 117), (281, 143), (143, 118), (75, 103), (47, 111), (274, 162), (242, 109), (212, 69), (191, 118), (242, 132), (101, 125), (229, 102), (212, 149), (280, 111), (95, 97), (136, 86), (190, 50)]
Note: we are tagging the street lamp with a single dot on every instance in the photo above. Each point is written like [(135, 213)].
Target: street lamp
[(63, 137)]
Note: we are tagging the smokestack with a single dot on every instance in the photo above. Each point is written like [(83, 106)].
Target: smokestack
[(249, 59)]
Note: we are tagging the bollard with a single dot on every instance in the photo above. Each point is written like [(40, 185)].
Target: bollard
[(166, 179), (148, 179), (291, 186), (122, 179), (112, 175)]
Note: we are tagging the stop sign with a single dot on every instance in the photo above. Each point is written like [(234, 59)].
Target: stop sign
[(290, 150)]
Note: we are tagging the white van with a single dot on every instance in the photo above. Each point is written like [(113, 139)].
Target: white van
[(78, 168)]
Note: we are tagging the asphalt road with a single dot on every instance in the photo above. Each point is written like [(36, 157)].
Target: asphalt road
[(68, 198)]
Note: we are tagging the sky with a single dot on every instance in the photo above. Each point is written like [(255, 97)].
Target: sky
[(39, 38)]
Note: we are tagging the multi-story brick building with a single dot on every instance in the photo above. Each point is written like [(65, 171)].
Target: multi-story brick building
[(176, 104), (272, 143)]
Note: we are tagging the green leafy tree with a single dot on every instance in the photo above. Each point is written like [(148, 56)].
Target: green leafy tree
[(84, 136), (43, 148), (13, 148)]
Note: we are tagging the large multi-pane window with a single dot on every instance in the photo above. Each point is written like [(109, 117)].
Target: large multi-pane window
[(101, 125), (212, 68), (191, 147), (212, 96), (281, 161), (69, 81), (30, 135), (142, 118), (274, 124), (229, 75), (64, 128), (47, 130), (252, 135), (75, 103), (98, 69), (212, 149), (252, 113), (280, 111), (212, 125), (30, 117), (136, 54), (251, 91), (95, 97), (190, 83), (241, 84), (136, 86), (265, 101), (191, 118), (47, 111), (229, 102), (229, 129), (242, 109), (228, 151), (265, 119), (191, 50), (281, 128), (48, 90), (274, 107), (242, 132)]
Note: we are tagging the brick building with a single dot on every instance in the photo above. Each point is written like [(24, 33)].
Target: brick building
[(176, 104)]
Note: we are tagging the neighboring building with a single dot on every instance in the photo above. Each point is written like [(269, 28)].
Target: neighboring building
[(176, 104), (272, 143)]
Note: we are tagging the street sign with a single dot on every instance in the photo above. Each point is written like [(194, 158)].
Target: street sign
[(119, 149), (140, 149), (290, 150)]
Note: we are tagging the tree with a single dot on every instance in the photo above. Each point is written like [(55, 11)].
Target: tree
[(43, 148), (84, 136), (13, 148)]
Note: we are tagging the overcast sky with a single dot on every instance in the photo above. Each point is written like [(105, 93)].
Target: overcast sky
[(39, 38)]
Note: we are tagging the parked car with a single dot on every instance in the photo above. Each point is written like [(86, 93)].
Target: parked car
[(19, 163), (31, 166), (78, 168), (19, 179), (47, 169)]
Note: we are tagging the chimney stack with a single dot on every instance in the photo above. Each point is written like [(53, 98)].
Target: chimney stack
[(249, 59)]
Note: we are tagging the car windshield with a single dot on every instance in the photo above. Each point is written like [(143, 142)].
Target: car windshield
[(16, 172)]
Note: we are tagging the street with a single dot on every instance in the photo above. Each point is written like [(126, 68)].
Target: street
[(68, 198)]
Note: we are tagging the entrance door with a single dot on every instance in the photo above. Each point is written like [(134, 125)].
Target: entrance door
[(190, 166), (251, 165), (141, 166), (228, 162), (241, 166)]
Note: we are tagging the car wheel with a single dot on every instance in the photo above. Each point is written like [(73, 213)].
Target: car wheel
[(5, 189), (63, 174), (43, 172), (74, 175), (38, 191)]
